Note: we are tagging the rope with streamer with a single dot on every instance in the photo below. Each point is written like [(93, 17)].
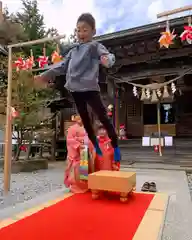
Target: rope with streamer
[(153, 86)]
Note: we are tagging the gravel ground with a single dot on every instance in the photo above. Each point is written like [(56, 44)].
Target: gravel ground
[(25, 186)]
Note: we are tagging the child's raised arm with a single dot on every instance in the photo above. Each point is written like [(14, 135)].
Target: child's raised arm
[(107, 58), (55, 70)]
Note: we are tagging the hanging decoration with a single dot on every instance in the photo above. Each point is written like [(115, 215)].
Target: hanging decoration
[(167, 37), (134, 91), (148, 93), (154, 96), (55, 57), (43, 60), (187, 33), (14, 113), (173, 88), (29, 63), (143, 95), (20, 64), (165, 92), (159, 93)]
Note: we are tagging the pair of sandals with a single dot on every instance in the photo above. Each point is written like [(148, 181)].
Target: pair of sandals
[(149, 187)]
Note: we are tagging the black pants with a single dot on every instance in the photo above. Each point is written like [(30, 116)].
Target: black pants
[(93, 99)]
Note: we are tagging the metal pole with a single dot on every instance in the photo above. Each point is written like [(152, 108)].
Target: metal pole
[(159, 128), (8, 129)]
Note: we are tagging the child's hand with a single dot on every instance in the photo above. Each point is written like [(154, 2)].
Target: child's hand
[(105, 60)]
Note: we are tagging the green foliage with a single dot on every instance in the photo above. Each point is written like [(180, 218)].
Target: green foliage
[(33, 24), (10, 31), (31, 20), (28, 100)]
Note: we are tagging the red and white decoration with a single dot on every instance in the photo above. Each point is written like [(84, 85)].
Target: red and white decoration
[(122, 132), (43, 61)]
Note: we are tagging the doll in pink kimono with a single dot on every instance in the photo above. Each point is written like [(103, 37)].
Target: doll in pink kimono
[(75, 142), (106, 161)]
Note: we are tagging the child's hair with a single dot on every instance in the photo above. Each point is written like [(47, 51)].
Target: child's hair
[(88, 18)]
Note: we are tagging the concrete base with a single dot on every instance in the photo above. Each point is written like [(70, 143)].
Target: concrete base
[(29, 165), (150, 227)]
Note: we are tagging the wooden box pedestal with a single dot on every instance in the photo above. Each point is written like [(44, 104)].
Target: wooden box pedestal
[(112, 181)]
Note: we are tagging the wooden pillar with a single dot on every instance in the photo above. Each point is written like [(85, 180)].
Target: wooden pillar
[(1, 12), (53, 142), (117, 110)]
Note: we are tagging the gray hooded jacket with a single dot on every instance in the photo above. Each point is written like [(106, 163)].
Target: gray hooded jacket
[(81, 66)]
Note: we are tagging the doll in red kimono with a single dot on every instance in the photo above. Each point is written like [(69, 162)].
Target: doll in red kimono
[(105, 162)]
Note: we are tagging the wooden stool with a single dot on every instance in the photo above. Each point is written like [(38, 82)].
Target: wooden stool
[(112, 181)]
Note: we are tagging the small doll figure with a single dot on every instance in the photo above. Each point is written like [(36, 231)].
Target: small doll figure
[(122, 132), (105, 162)]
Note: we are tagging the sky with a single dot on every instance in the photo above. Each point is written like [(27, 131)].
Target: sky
[(110, 15)]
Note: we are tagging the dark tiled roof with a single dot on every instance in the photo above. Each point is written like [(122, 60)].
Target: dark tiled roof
[(142, 29), (3, 50)]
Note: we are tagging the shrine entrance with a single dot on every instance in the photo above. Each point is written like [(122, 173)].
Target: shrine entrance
[(167, 119)]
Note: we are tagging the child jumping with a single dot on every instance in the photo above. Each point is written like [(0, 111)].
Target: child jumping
[(81, 66)]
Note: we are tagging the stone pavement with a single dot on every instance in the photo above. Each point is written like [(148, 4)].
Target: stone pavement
[(179, 213)]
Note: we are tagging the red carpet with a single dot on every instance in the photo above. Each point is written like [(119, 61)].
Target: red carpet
[(81, 218)]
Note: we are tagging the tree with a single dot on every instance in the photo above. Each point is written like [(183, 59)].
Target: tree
[(30, 103), (31, 20), (10, 31), (34, 27)]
